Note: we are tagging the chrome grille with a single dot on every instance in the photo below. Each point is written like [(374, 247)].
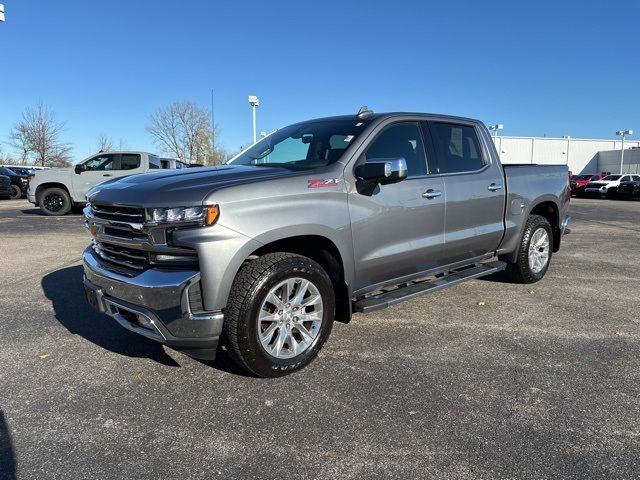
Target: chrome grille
[(125, 257), (118, 213)]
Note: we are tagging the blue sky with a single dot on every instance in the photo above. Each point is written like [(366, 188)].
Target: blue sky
[(555, 68)]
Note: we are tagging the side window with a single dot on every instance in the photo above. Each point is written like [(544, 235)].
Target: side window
[(100, 162), (400, 140), (154, 163), (457, 146), (129, 161)]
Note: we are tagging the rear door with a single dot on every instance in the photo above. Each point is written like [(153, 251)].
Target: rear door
[(474, 191), (398, 230)]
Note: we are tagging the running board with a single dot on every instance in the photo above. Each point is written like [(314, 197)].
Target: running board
[(386, 299)]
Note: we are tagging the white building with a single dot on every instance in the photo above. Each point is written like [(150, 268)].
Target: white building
[(580, 154)]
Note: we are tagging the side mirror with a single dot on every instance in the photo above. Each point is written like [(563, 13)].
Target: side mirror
[(79, 168), (383, 170), (379, 171)]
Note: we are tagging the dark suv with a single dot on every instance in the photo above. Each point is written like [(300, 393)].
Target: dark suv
[(5, 187), (19, 183)]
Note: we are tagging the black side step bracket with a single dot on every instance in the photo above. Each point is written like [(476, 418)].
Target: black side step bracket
[(386, 299)]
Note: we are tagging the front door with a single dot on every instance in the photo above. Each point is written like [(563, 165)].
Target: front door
[(398, 230), (103, 167)]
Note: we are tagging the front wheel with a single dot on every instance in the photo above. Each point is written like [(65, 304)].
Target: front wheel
[(534, 252), (279, 314), (55, 202)]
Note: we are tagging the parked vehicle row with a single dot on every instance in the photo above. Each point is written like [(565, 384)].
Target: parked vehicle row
[(610, 186)]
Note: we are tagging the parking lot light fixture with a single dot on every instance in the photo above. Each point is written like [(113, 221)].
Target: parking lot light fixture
[(1, 12), (623, 133), (254, 102), (495, 128)]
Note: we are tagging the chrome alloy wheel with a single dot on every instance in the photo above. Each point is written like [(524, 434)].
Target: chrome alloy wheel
[(290, 318), (539, 250)]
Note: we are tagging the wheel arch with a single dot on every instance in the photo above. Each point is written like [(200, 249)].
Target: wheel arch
[(43, 186), (545, 206), (549, 209), (327, 254)]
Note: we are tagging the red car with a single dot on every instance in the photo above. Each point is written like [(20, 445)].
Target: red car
[(578, 182)]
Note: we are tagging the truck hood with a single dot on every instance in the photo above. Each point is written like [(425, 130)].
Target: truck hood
[(54, 173), (184, 187)]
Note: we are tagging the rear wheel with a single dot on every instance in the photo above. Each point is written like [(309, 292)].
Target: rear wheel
[(55, 201), (16, 193), (534, 252), (279, 314)]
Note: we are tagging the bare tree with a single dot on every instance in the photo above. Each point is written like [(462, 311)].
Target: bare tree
[(37, 135), (183, 129), (105, 144)]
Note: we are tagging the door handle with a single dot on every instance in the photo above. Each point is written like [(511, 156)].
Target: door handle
[(431, 193), (494, 187), (106, 174)]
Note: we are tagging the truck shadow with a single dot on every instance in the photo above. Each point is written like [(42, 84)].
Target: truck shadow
[(7, 455), (36, 212), (65, 290)]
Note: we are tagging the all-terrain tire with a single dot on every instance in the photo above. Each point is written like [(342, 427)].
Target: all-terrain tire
[(521, 270), (242, 329), (55, 202)]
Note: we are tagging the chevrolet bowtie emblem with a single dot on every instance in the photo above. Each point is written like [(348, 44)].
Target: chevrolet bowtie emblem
[(94, 229)]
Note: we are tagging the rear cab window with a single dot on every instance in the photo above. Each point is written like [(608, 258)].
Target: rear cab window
[(129, 161), (457, 146)]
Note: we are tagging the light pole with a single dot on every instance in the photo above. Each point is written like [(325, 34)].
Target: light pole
[(495, 128), (622, 134), (254, 102)]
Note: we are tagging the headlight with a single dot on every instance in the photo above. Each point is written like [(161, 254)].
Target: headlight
[(24, 180), (202, 215)]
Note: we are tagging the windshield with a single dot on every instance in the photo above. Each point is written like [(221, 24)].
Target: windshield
[(582, 177), (304, 146), (611, 177)]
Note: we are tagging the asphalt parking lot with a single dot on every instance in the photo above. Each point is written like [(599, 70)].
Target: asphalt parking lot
[(482, 380)]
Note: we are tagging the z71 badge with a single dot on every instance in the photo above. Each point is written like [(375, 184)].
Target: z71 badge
[(322, 182)]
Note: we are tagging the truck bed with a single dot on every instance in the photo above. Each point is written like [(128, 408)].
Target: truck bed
[(527, 183)]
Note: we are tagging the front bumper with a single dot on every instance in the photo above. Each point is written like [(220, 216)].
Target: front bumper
[(597, 191), (154, 304)]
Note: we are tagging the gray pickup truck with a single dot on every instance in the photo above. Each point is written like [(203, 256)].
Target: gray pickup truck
[(317, 221)]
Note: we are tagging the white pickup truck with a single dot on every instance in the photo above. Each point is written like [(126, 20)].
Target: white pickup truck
[(57, 190)]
